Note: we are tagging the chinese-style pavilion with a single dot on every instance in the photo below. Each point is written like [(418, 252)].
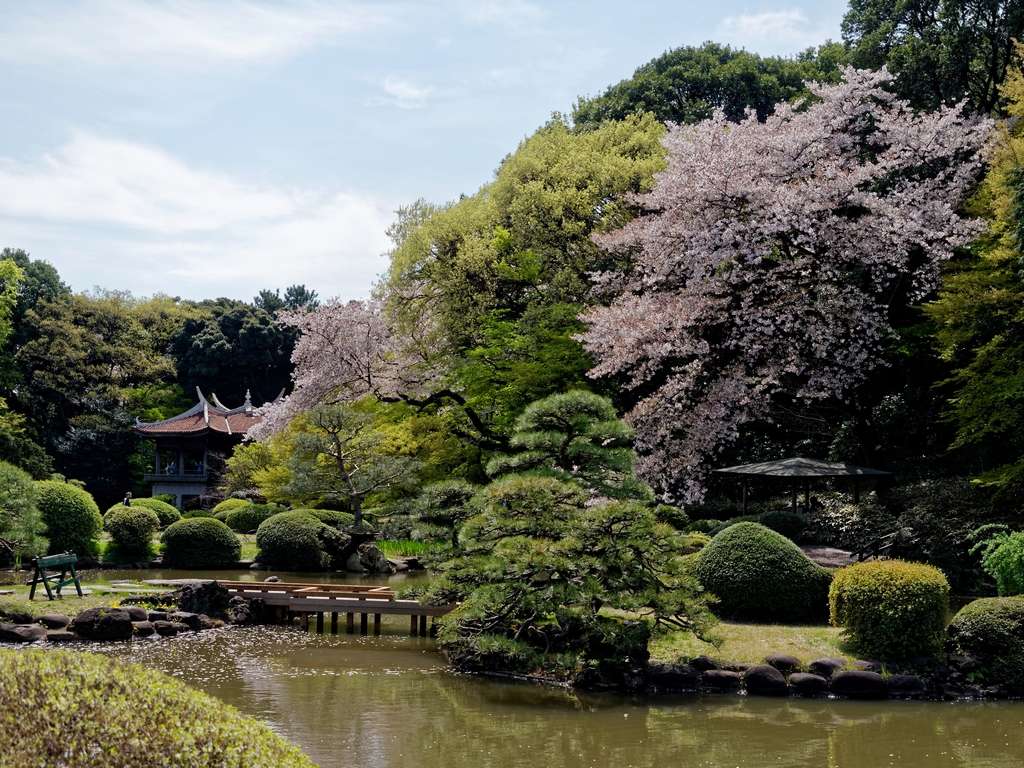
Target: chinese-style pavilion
[(184, 444)]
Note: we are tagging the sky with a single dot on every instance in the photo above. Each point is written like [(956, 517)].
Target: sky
[(206, 149)]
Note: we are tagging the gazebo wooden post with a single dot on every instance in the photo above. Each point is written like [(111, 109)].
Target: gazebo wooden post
[(796, 492), (807, 497), (744, 496)]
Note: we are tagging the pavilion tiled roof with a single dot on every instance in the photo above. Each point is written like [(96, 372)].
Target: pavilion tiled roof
[(206, 415)]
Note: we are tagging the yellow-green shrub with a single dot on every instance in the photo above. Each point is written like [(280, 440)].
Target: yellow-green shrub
[(891, 608), (80, 709)]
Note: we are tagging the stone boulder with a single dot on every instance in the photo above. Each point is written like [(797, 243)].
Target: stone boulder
[(807, 684), (22, 633), (906, 686), (157, 616), (194, 621), (136, 613), (825, 667), (868, 666), (783, 662), (60, 636), (207, 597), (368, 559), (54, 620), (720, 680), (143, 628), (243, 611), (765, 680), (165, 628), (859, 684), (103, 624), (703, 663), (672, 677)]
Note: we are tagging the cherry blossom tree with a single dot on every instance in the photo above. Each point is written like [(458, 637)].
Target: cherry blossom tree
[(770, 261), (349, 350)]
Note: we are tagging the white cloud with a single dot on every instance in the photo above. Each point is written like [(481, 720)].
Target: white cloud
[(126, 215), (784, 31), (513, 14), (405, 94), (179, 32)]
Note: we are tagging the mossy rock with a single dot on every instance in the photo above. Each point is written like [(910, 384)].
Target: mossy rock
[(82, 709), (760, 575)]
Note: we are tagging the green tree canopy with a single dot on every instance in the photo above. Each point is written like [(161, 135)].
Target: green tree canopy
[(941, 50), (685, 85)]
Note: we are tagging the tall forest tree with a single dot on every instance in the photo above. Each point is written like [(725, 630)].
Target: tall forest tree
[(686, 85), (768, 270), (941, 51)]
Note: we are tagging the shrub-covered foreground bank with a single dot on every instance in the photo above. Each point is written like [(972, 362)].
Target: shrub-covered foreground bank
[(72, 710)]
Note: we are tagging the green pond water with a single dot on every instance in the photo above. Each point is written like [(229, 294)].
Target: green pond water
[(383, 702), (388, 701)]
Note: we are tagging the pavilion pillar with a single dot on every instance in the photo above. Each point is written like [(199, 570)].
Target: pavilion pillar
[(744, 497), (807, 498)]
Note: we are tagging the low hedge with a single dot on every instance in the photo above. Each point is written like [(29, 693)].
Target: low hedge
[(331, 517), (991, 630), (167, 513), (760, 575), (891, 609), (82, 709), (73, 521), (132, 529), (200, 542), (790, 524), (299, 541), (247, 517)]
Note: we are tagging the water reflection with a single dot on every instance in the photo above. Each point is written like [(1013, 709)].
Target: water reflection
[(387, 701)]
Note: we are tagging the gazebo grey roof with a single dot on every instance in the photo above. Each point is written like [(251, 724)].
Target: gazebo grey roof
[(800, 471), (801, 468)]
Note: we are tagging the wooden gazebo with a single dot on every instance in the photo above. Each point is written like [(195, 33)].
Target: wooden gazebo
[(798, 473)]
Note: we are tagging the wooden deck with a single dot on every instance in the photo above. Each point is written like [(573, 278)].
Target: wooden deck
[(320, 600)]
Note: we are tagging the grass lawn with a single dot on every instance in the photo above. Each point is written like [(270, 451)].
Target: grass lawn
[(70, 605), (752, 642), (248, 545)]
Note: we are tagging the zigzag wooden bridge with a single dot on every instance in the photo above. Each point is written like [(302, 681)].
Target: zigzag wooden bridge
[(306, 600)]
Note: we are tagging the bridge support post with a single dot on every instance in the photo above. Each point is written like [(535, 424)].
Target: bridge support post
[(334, 622), (305, 622), (413, 625), (423, 625), (319, 622), (350, 623), (362, 623), (376, 623)]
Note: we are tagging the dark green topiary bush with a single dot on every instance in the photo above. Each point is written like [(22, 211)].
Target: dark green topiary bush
[(131, 529), (247, 517), (82, 709), (200, 542), (73, 521), (991, 630), (731, 522), (760, 575), (331, 517), (167, 513), (299, 541), (223, 507), (703, 526), (890, 608)]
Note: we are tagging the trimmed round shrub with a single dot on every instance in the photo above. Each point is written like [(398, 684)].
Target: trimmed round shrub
[(131, 529), (731, 522), (760, 575), (66, 708), (299, 541), (73, 521), (991, 630), (1002, 557), (891, 609), (247, 518), (167, 513), (331, 517), (200, 542), (227, 505), (20, 520)]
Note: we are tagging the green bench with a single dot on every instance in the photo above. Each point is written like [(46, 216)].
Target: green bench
[(53, 583)]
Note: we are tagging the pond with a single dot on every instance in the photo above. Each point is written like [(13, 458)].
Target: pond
[(383, 702)]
